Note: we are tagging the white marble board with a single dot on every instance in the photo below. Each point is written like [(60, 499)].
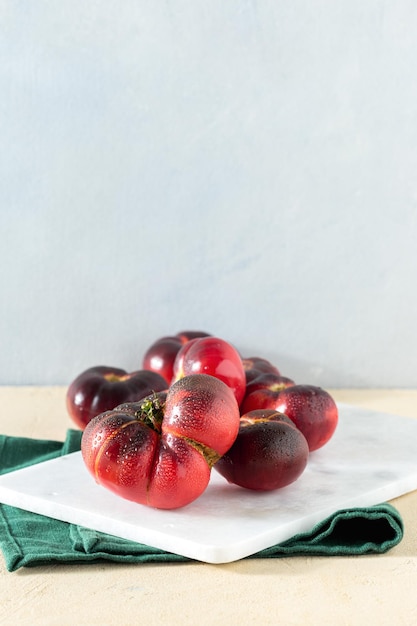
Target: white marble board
[(371, 458)]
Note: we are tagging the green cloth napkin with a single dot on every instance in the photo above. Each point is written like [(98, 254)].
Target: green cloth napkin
[(28, 539)]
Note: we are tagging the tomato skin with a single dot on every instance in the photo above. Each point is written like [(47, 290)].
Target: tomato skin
[(160, 451), (215, 357), (313, 411), (100, 431), (101, 388), (184, 410), (180, 474), (160, 356), (269, 452), (255, 365)]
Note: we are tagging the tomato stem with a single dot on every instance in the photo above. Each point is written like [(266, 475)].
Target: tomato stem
[(152, 412)]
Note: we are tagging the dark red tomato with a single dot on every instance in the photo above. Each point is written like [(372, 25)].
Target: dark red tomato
[(255, 365), (313, 411), (101, 388), (268, 453)]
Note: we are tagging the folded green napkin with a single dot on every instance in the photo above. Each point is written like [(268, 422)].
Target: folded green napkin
[(28, 539)]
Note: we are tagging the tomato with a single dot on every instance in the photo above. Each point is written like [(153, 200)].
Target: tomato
[(268, 453), (213, 356), (160, 356), (101, 388), (313, 411), (160, 451)]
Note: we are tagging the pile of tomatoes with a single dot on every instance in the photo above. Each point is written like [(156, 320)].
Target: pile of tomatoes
[(153, 436)]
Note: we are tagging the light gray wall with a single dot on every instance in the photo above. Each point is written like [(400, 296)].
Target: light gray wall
[(248, 168)]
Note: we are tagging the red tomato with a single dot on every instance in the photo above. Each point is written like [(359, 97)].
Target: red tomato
[(213, 356), (313, 411), (160, 451), (160, 356)]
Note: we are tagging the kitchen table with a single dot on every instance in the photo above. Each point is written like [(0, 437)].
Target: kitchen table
[(380, 589)]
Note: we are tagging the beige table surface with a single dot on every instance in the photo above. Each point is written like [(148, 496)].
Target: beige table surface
[(377, 589)]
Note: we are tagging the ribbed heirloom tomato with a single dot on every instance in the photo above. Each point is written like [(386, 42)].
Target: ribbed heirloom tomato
[(160, 451)]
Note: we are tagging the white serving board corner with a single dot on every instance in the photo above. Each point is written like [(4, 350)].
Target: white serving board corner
[(371, 458)]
